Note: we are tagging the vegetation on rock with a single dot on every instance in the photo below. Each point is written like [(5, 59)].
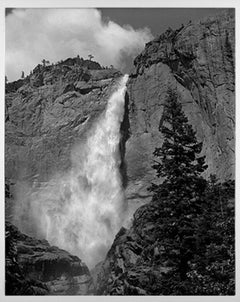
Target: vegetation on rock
[(197, 234)]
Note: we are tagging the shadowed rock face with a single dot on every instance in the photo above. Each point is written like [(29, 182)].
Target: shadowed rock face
[(198, 61), (33, 267), (133, 265)]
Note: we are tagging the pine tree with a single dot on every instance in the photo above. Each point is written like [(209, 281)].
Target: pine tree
[(179, 196), (213, 268), (177, 161)]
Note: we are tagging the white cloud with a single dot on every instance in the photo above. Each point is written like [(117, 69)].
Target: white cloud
[(56, 34)]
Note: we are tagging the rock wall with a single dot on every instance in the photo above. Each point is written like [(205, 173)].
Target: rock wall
[(198, 61)]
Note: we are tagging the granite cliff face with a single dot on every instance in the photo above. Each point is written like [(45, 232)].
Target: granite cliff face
[(50, 112), (198, 61)]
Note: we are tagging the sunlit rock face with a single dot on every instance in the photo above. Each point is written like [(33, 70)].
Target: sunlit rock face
[(198, 61)]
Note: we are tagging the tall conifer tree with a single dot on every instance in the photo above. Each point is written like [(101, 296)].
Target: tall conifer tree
[(179, 164), (177, 160)]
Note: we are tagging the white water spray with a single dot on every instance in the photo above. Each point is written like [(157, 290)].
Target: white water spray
[(81, 212)]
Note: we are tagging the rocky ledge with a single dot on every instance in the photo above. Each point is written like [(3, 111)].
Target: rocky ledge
[(33, 267)]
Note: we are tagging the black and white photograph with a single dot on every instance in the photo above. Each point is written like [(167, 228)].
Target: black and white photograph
[(119, 151)]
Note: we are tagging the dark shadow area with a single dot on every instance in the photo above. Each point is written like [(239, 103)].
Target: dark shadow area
[(125, 134)]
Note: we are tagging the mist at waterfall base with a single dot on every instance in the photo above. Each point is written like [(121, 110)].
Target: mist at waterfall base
[(83, 210)]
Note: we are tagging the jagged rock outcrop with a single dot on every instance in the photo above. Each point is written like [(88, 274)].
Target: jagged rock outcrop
[(198, 61), (133, 265), (33, 267)]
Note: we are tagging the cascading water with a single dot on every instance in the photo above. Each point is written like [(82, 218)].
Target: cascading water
[(82, 211)]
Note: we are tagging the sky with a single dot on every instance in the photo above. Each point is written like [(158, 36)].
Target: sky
[(157, 19), (115, 36)]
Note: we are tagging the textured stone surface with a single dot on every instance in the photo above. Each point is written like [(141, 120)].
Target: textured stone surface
[(51, 270), (198, 61)]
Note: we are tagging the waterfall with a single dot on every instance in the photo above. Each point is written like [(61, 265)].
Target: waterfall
[(82, 210)]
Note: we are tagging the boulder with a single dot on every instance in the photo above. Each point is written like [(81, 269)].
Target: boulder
[(33, 267)]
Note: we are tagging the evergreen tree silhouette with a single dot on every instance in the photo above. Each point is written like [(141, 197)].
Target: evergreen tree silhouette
[(177, 161), (180, 195)]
